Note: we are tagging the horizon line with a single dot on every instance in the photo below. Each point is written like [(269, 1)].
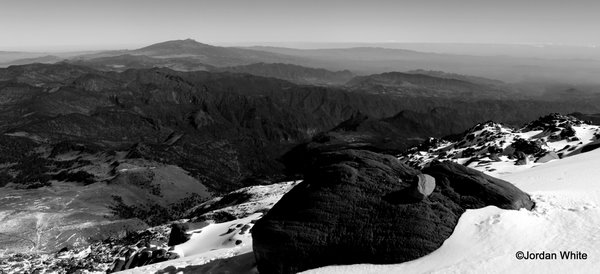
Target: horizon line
[(67, 48)]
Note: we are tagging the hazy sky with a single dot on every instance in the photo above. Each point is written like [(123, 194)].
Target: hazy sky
[(87, 24)]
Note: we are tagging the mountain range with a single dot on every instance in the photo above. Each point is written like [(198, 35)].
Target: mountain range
[(103, 143), (361, 61)]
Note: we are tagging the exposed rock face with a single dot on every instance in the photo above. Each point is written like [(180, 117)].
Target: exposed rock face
[(358, 207), (132, 258)]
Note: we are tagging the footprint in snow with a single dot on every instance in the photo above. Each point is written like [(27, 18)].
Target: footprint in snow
[(544, 203), (494, 219), (485, 224), (583, 208), (589, 206), (541, 205)]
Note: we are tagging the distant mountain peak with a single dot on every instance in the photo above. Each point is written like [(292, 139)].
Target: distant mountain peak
[(177, 45), (207, 54)]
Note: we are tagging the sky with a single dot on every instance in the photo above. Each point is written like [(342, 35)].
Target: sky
[(110, 24)]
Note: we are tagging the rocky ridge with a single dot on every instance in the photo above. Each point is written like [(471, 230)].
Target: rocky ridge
[(494, 147)]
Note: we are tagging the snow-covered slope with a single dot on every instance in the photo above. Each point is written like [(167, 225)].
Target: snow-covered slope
[(566, 218), (497, 149), (216, 242)]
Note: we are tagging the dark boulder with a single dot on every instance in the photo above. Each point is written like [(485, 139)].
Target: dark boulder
[(527, 147), (522, 158), (471, 189), (357, 207), (178, 234), (590, 147), (64, 249)]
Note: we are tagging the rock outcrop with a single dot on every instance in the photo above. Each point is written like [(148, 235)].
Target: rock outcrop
[(357, 206), (131, 258), (471, 189)]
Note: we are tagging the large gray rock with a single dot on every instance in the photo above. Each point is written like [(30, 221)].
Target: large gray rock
[(547, 157), (358, 207), (423, 186)]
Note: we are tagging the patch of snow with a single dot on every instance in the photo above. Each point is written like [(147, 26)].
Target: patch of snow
[(213, 242), (220, 241), (262, 197)]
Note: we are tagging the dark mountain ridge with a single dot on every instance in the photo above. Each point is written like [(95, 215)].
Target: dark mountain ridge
[(294, 73), (407, 84), (239, 116), (130, 61), (467, 78)]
